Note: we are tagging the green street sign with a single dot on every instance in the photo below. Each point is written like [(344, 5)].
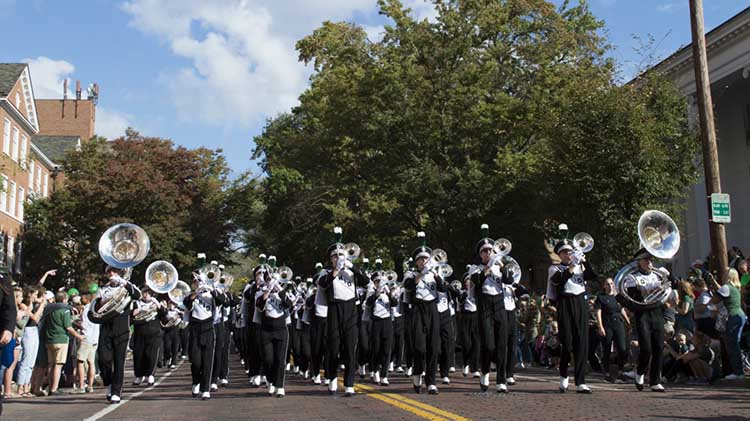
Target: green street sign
[(720, 210)]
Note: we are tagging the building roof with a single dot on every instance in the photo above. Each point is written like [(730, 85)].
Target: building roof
[(9, 74), (55, 147)]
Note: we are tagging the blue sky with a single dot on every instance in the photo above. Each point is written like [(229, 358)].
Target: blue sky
[(210, 72)]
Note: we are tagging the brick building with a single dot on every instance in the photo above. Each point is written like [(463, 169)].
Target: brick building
[(25, 172), (68, 117)]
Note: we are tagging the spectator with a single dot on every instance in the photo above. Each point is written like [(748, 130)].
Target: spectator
[(676, 368), (743, 269), (684, 310), (529, 325), (7, 317), (610, 316), (39, 375), (552, 345), (58, 325), (703, 311), (22, 317), (34, 303), (87, 348), (729, 295)]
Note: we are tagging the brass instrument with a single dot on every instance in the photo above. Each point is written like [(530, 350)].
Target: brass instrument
[(161, 276), (146, 312), (439, 262), (179, 292), (660, 236)]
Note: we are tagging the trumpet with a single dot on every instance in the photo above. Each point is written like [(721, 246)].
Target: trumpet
[(146, 313), (438, 262)]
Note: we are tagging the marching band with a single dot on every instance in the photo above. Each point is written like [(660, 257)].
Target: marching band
[(367, 321)]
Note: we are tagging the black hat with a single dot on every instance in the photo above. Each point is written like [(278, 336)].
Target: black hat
[(563, 245), (422, 250), (337, 247), (642, 254), (485, 242)]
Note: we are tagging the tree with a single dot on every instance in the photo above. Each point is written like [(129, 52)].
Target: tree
[(498, 112), (177, 195)]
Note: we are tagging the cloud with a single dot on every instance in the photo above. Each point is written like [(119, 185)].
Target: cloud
[(47, 76), (422, 9), (111, 123), (374, 33), (670, 7), (243, 64)]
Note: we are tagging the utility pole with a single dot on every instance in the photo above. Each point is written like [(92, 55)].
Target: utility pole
[(719, 258)]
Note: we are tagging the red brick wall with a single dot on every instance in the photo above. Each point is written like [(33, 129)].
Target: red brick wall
[(68, 117)]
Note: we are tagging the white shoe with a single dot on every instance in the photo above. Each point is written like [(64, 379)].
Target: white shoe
[(214, 387), (280, 392), (376, 377), (466, 370), (657, 388), (639, 378), (264, 380), (417, 380), (151, 380), (206, 396), (256, 381), (342, 367), (510, 381), (196, 390), (316, 379), (138, 380), (224, 382), (564, 383), (288, 367), (477, 374), (184, 357), (446, 380), (582, 388), (630, 374), (349, 391), (271, 389), (501, 388), (390, 367), (333, 386), (400, 370), (432, 389), (326, 382), (408, 371), (306, 374), (734, 377), (362, 371), (384, 381), (485, 379), (172, 367), (115, 399), (452, 370), (296, 369)]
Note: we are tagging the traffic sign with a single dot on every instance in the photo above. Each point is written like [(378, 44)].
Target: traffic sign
[(720, 210)]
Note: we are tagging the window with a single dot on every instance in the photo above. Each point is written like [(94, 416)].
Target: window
[(9, 251), (6, 137), (18, 101), (21, 203), (14, 150), (38, 178), (31, 176), (12, 198), (4, 195), (24, 145), (46, 178)]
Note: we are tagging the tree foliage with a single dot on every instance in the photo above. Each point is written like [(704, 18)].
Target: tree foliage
[(503, 112), (177, 195)]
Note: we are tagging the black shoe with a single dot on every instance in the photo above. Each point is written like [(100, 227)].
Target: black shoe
[(563, 389), (109, 398), (483, 387), (639, 387), (418, 389)]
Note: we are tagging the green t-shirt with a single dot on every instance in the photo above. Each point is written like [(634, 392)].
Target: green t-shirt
[(732, 303), (55, 326), (745, 279), (688, 299)]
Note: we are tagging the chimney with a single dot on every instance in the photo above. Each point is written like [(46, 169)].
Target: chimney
[(65, 89), (78, 90)]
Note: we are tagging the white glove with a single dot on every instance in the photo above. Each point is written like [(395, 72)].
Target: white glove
[(348, 264), (576, 259), (341, 264)]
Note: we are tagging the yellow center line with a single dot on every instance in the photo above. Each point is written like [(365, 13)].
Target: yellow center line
[(411, 405)]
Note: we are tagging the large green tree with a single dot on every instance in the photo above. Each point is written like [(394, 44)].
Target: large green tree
[(177, 195), (505, 112)]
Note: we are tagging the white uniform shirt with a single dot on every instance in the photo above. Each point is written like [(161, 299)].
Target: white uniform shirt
[(147, 305), (646, 283), (274, 307), (575, 285), (442, 304), (321, 303), (381, 308), (344, 287), (493, 283), (426, 288), (470, 303), (203, 306)]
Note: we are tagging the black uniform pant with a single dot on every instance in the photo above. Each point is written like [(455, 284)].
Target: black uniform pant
[(304, 347), (220, 334), (614, 333), (510, 351), (202, 343), (493, 334), (146, 344), (364, 350), (294, 343), (274, 348), (224, 372), (470, 339), (171, 344), (594, 341), (342, 340), (409, 336), (573, 316), (254, 357), (318, 340), (397, 351), (113, 347), (426, 330), (446, 342), (649, 325), (184, 341), (381, 342)]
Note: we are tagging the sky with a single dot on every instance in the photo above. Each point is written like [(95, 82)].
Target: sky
[(211, 72)]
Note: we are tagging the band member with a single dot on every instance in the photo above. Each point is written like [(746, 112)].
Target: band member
[(114, 334), (253, 359), (407, 309), (304, 308), (397, 313), (365, 323), (424, 286), (222, 373), (147, 312), (274, 305), (469, 321), (170, 334), (566, 285), (649, 321), (379, 303), (493, 319), (318, 327), (220, 370), (340, 284), (202, 305), (447, 339)]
